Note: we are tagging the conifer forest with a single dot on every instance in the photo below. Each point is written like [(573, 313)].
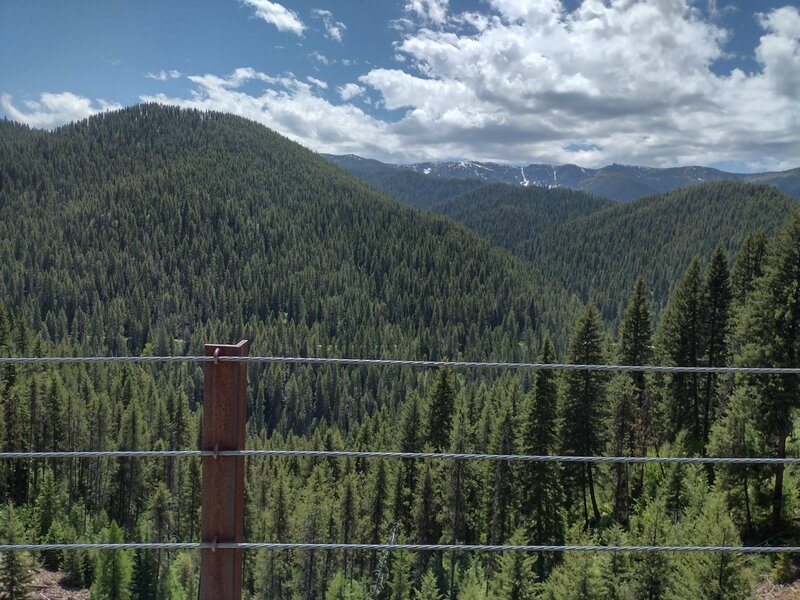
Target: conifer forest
[(153, 230)]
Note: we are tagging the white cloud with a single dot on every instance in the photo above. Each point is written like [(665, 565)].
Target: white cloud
[(333, 29), (52, 110), (164, 75), (294, 110), (434, 11), (317, 82), (319, 57), (349, 91), (278, 15), (529, 81)]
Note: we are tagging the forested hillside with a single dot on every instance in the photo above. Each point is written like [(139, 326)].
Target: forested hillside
[(153, 230), (593, 246), (601, 255), (510, 216)]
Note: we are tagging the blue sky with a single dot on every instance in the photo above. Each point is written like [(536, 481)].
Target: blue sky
[(653, 82)]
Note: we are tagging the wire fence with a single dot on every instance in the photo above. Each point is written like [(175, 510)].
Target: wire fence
[(308, 360), (697, 460), (733, 460), (394, 547)]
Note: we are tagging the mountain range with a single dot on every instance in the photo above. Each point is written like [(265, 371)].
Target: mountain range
[(618, 182)]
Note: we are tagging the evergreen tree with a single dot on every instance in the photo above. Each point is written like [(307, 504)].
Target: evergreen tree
[(584, 408), (771, 328), (411, 440), (622, 394), (711, 576), (426, 528), (515, 575), (635, 348), (499, 518), (541, 495), (716, 313), (113, 569), (428, 588), (681, 340), (735, 434), (15, 575), (749, 266), (579, 577), (144, 578), (440, 412)]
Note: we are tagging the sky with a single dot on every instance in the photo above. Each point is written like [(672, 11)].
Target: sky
[(591, 82)]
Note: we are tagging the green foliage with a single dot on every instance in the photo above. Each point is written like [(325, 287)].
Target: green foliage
[(15, 574), (600, 256), (428, 589), (584, 406), (113, 569), (154, 230)]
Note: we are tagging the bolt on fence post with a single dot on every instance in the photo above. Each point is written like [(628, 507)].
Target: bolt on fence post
[(224, 415)]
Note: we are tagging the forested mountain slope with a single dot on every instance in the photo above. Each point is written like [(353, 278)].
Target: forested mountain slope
[(594, 246), (601, 255), (159, 229), (153, 230), (510, 216)]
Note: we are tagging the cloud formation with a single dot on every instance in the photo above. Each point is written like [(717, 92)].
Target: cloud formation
[(52, 110), (434, 11), (164, 75), (333, 29), (529, 81), (349, 91), (278, 15)]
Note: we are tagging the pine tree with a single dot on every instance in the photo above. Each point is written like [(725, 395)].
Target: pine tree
[(411, 440), (711, 576), (584, 408), (460, 489), (622, 399), (426, 528), (400, 585), (428, 588), (15, 575), (499, 518), (716, 314), (681, 341), (113, 569), (515, 575), (749, 266), (440, 413), (635, 348), (771, 328), (144, 578), (579, 577), (541, 495)]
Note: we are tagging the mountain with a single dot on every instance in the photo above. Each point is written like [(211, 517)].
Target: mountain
[(511, 215), (155, 229), (619, 182), (593, 246), (599, 256)]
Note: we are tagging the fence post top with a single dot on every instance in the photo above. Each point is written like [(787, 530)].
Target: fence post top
[(240, 349)]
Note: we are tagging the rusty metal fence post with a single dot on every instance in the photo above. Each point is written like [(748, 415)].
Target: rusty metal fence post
[(224, 415)]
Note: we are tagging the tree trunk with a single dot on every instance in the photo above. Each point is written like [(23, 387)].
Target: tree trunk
[(777, 499), (591, 493)]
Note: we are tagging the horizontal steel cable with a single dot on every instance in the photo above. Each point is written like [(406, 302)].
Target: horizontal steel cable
[(304, 360), (392, 547), (705, 460)]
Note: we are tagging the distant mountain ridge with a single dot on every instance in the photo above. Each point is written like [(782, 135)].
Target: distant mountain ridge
[(618, 182)]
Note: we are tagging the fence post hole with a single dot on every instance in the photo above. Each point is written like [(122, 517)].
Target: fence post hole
[(224, 414)]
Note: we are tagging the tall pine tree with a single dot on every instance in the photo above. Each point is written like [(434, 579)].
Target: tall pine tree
[(584, 405)]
